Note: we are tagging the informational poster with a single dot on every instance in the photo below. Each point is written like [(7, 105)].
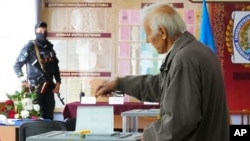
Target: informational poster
[(83, 35), (241, 37), (98, 40)]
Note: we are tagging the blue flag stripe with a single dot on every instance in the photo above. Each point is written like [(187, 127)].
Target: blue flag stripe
[(206, 34)]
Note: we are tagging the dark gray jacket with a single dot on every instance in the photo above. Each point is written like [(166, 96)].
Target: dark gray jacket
[(34, 72), (191, 92)]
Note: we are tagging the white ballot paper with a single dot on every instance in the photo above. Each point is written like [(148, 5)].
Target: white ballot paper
[(88, 100), (116, 100)]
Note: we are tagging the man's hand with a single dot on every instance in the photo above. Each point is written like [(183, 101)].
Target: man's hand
[(106, 88), (57, 88), (25, 84)]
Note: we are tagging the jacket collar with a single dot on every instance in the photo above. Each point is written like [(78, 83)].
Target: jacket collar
[(183, 40)]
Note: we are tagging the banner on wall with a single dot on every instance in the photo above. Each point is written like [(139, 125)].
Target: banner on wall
[(241, 37)]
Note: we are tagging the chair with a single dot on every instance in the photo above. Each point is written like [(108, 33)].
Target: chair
[(245, 117), (70, 124), (32, 128)]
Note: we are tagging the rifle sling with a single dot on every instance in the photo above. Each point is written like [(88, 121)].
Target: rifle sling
[(38, 56)]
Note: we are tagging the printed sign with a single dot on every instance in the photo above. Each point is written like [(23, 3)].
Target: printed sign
[(241, 37)]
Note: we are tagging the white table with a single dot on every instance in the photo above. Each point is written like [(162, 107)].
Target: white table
[(130, 118)]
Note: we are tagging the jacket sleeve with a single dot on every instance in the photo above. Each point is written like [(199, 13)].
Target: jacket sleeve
[(180, 107), (22, 59), (144, 88), (56, 69)]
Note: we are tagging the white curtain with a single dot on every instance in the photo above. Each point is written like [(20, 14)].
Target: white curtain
[(18, 18)]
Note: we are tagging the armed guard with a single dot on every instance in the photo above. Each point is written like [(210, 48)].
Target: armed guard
[(42, 67)]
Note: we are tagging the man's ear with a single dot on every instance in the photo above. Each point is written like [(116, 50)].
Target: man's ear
[(163, 32)]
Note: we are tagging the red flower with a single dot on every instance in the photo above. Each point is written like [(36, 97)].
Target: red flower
[(9, 102), (11, 114), (33, 117)]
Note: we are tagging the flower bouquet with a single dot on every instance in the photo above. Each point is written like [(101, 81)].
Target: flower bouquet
[(8, 110), (20, 105)]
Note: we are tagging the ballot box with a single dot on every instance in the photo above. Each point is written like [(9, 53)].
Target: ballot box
[(130, 118), (76, 136)]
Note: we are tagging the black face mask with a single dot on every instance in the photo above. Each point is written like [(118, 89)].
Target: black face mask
[(41, 37)]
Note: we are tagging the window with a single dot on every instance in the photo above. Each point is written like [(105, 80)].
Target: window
[(134, 55), (16, 27)]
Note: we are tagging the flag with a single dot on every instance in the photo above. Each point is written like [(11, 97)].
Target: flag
[(206, 34)]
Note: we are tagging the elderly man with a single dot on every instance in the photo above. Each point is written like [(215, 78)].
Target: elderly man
[(190, 86)]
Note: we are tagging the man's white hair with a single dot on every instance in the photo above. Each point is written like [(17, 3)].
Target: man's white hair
[(173, 23)]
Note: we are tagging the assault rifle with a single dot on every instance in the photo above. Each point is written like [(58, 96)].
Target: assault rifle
[(49, 83), (61, 99)]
